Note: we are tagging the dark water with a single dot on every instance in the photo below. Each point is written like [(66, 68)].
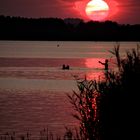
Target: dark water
[(33, 85)]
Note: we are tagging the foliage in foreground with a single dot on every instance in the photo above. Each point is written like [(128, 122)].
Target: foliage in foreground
[(108, 109)]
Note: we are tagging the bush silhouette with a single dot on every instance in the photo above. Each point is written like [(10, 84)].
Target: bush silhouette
[(108, 109)]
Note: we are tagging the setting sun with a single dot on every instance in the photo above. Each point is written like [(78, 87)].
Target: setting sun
[(97, 10)]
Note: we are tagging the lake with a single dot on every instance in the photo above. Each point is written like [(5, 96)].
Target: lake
[(33, 85)]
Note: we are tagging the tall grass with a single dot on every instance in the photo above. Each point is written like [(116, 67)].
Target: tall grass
[(108, 109)]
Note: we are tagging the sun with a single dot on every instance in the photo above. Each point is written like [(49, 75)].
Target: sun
[(97, 10)]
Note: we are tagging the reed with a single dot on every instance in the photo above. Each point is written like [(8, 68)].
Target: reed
[(109, 108)]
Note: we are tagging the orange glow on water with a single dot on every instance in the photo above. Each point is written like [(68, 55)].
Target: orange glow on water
[(94, 75), (96, 68), (93, 63)]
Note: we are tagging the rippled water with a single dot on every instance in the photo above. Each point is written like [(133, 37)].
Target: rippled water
[(33, 85)]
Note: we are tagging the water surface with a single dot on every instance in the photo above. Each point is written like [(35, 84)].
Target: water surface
[(33, 85)]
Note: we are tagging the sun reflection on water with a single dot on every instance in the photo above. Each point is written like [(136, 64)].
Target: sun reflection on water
[(94, 63), (95, 68)]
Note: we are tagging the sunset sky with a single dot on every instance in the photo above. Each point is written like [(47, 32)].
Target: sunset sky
[(122, 11)]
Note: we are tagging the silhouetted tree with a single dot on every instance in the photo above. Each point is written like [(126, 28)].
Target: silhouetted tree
[(19, 28)]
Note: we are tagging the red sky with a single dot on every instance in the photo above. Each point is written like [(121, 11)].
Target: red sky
[(122, 11)]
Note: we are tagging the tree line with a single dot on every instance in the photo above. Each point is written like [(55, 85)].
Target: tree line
[(70, 29)]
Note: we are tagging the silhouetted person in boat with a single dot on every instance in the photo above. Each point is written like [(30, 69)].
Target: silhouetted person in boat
[(65, 67)]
